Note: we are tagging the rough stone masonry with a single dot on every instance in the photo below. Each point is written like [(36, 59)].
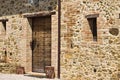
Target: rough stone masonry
[(82, 57), (16, 34)]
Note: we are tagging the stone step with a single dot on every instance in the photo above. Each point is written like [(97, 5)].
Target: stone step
[(34, 74)]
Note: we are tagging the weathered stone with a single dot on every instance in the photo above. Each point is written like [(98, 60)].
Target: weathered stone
[(7, 68), (118, 75), (114, 79), (114, 31), (81, 57), (104, 49)]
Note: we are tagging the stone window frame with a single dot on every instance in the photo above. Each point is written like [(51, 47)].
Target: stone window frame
[(38, 14)]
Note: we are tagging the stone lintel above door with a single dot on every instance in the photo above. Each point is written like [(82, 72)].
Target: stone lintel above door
[(39, 14)]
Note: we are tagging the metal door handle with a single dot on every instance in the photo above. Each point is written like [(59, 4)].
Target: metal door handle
[(33, 44)]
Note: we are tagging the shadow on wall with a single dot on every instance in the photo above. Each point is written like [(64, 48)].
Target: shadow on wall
[(12, 7)]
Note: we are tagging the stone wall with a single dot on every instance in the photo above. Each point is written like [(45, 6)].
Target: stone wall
[(7, 68), (15, 40), (82, 58)]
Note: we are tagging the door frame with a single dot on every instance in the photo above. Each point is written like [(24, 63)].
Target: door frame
[(55, 22), (32, 39)]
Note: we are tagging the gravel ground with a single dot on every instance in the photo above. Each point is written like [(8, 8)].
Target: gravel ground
[(20, 77)]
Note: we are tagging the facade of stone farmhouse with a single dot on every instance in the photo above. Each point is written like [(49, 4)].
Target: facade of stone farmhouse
[(79, 38)]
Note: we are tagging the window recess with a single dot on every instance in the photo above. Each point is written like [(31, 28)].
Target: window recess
[(92, 20), (4, 22)]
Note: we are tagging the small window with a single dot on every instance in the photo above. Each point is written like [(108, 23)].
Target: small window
[(92, 20), (93, 27), (4, 22)]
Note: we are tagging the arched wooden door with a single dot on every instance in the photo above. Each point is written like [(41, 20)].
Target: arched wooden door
[(41, 43)]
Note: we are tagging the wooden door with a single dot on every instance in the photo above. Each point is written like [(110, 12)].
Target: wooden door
[(41, 43)]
